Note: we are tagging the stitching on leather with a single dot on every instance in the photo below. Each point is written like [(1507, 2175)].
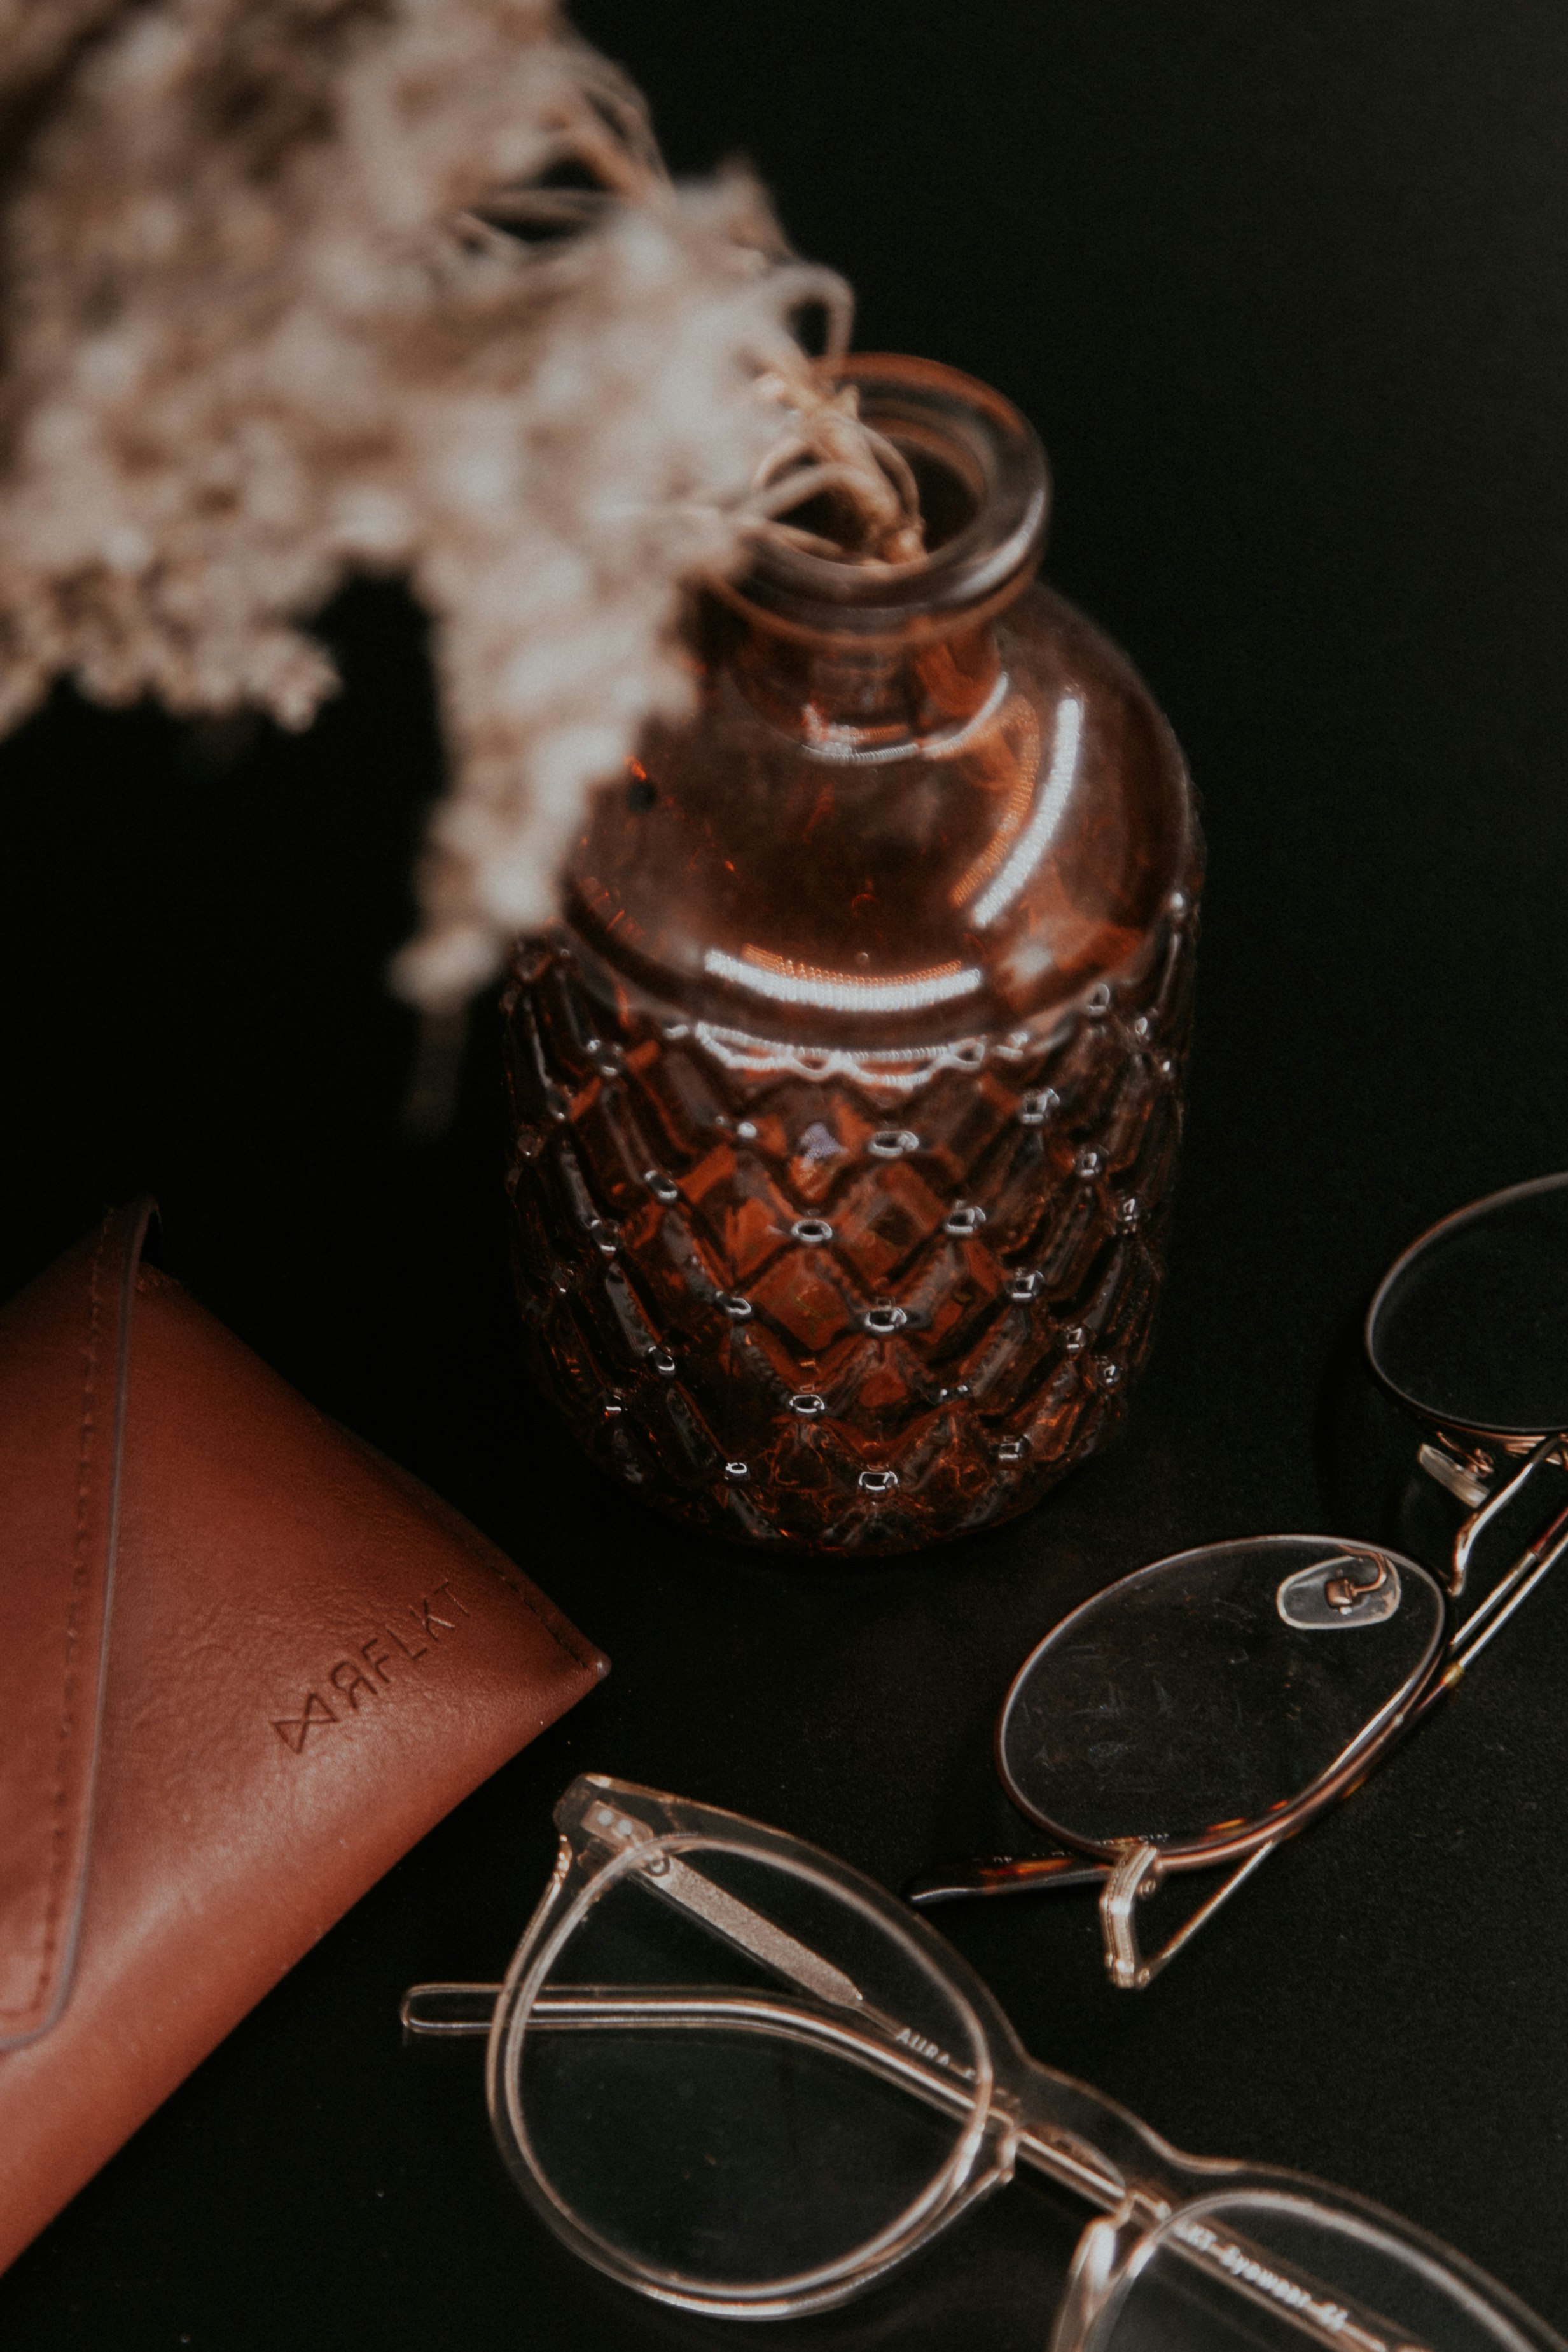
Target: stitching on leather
[(79, 1582)]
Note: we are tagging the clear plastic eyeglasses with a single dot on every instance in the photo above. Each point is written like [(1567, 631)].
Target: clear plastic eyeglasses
[(1201, 1711), (730, 2072)]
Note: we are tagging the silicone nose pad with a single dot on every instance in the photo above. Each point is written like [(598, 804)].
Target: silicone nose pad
[(1340, 1595)]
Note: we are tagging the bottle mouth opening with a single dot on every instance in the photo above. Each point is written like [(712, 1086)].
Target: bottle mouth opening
[(984, 497)]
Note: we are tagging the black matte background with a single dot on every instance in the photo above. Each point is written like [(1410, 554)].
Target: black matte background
[(1285, 286)]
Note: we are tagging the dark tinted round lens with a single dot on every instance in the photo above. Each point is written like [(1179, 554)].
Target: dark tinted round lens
[(1472, 1326), (1181, 1702)]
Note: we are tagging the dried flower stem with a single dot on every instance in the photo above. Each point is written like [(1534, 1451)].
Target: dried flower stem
[(274, 317)]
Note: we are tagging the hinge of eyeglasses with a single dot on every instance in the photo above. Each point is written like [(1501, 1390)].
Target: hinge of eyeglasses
[(1136, 1877), (1464, 1475), (1550, 1449), (613, 1830)]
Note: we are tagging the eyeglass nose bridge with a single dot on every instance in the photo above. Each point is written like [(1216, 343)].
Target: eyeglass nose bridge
[(1099, 2262)]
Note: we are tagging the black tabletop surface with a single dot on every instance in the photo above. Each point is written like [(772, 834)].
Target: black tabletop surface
[(1286, 290)]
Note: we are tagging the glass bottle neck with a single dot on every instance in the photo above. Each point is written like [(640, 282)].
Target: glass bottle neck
[(870, 660), (858, 699)]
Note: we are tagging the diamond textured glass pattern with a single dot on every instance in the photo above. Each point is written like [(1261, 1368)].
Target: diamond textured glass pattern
[(645, 1217)]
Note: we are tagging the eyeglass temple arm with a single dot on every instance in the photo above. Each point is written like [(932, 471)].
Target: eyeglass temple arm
[(1474, 1526), (1159, 2182), (446, 2010), (1321, 2314), (1001, 1874), (1122, 1885), (1542, 1554), (440, 2011)]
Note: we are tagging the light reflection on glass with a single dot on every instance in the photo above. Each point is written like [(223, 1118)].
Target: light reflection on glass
[(848, 745), (1041, 831), (840, 991), (900, 1069), (1014, 746)]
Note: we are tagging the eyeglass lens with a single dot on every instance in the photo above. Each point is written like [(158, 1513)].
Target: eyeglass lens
[(1472, 1326), (712, 2121), (1274, 2272), (1181, 1702)]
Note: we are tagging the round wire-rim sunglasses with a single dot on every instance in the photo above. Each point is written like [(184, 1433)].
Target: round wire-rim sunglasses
[(735, 2075), (1199, 1712)]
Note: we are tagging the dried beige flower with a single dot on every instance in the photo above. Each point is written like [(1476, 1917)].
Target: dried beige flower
[(264, 330)]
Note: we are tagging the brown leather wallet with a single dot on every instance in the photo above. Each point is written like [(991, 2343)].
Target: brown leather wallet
[(247, 1663)]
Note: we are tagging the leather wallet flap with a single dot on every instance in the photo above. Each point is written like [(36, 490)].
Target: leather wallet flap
[(63, 1357), (311, 1660)]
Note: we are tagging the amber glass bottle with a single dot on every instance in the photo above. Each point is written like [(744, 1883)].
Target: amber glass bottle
[(847, 1092)]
